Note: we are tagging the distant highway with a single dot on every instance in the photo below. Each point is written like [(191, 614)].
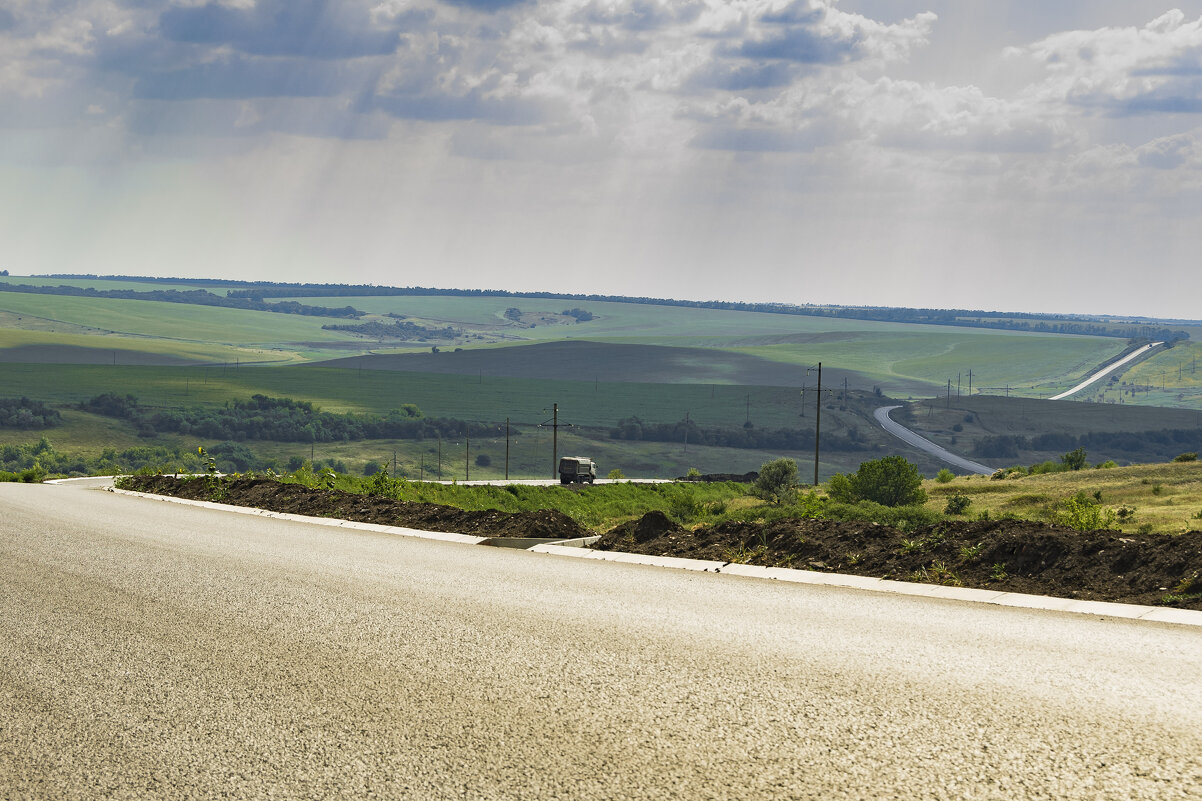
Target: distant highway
[(1107, 370), (939, 452), (158, 651)]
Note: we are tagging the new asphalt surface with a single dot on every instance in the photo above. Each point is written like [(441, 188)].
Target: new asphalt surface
[(152, 650)]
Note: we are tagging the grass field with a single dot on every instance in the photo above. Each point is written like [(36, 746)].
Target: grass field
[(487, 398), (173, 322), (1165, 498)]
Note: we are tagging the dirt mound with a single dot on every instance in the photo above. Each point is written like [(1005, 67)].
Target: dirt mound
[(1006, 555), (653, 526), (264, 493), (742, 478)]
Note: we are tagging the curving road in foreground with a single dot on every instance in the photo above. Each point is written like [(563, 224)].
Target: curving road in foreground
[(152, 650), (923, 444)]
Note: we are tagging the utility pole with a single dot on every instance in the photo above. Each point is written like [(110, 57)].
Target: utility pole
[(959, 376), (817, 421), (506, 448), (686, 432), (467, 455), (554, 439), (440, 457), (970, 382), (949, 393)]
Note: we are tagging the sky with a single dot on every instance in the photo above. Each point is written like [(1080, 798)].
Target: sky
[(1015, 155)]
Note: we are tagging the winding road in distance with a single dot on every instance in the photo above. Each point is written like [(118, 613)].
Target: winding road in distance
[(923, 444), (154, 650)]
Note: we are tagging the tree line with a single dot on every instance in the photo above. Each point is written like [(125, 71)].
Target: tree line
[(1164, 442), (26, 413), (400, 329), (971, 318), (280, 420), (746, 436), (195, 297)]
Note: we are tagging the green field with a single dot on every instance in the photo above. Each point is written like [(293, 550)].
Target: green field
[(173, 322), (720, 368)]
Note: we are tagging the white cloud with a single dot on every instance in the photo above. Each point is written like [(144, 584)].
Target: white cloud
[(1124, 71)]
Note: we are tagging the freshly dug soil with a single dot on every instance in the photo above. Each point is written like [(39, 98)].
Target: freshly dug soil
[(1003, 555), (263, 493)]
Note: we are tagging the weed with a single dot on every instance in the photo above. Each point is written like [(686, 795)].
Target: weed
[(910, 546), (1157, 489), (1145, 528), (741, 555), (1125, 513), (998, 571), (854, 558), (970, 552), (937, 573)]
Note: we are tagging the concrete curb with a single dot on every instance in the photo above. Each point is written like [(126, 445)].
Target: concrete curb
[(1184, 617), (322, 521)]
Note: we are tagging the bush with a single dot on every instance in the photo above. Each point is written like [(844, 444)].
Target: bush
[(944, 476), (957, 504), (1186, 457), (616, 474), (777, 481), (1084, 514), (483, 460), (890, 481)]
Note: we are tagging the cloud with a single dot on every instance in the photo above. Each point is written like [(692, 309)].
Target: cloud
[(486, 5), (1156, 69), (241, 78), (321, 29)]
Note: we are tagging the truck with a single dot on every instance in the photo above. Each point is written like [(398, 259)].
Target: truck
[(573, 469)]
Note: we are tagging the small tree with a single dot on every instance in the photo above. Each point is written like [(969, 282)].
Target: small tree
[(1075, 459), (777, 481), (891, 481), (944, 476)]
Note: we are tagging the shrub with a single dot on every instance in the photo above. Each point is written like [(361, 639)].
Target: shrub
[(616, 474), (957, 504), (890, 481), (1186, 457), (693, 474), (483, 460), (777, 481), (1084, 514), (944, 476)]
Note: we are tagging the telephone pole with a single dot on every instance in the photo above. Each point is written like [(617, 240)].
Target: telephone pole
[(817, 420)]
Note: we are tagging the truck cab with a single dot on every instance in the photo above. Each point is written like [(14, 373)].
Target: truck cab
[(577, 469)]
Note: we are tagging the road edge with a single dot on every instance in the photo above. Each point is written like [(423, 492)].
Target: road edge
[(1104, 609)]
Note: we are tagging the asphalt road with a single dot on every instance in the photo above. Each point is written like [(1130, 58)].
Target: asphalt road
[(152, 650), (923, 444)]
